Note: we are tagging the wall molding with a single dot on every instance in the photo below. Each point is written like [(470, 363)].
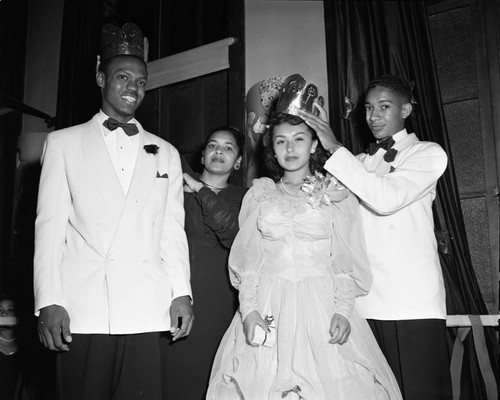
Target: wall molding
[(189, 64)]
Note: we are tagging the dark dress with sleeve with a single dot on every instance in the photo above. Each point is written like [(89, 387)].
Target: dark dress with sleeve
[(211, 225), (10, 370)]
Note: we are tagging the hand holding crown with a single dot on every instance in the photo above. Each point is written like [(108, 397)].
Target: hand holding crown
[(302, 99), (322, 127)]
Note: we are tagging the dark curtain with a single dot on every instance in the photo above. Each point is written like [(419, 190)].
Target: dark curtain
[(78, 97), (365, 39)]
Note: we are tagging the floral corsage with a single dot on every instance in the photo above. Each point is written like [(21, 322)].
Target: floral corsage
[(315, 186), (323, 189), (151, 148)]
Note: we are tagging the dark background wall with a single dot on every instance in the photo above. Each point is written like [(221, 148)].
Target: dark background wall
[(13, 28)]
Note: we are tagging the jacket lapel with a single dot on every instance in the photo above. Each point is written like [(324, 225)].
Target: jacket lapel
[(407, 141), (382, 167), (141, 186), (143, 178), (101, 170)]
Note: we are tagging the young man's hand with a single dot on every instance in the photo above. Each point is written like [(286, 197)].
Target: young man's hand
[(181, 312), (321, 127), (53, 328)]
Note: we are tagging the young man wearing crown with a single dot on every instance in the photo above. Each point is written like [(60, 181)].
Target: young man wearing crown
[(396, 184), (111, 267)]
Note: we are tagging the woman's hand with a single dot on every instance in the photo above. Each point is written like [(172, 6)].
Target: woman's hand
[(251, 320), (340, 329), (190, 184), (321, 126)]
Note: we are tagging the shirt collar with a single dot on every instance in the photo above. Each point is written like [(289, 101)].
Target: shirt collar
[(400, 135)]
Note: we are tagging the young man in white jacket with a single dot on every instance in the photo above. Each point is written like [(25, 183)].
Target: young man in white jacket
[(111, 266), (396, 185)]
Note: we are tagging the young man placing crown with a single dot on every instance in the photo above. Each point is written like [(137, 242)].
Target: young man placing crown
[(111, 266), (396, 184)]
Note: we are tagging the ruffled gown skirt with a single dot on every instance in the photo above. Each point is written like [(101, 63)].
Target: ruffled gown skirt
[(302, 364)]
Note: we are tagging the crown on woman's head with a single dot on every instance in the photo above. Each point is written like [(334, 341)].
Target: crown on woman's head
[(127, 41), (296, 95)]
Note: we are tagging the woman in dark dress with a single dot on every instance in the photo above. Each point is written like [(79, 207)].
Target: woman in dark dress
[(212, 206)]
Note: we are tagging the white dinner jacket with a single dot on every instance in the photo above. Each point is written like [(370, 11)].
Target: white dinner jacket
[(396, 207), (113, 261)]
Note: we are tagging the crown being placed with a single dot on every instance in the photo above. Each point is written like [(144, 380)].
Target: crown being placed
[(128, 41), (295, 95)]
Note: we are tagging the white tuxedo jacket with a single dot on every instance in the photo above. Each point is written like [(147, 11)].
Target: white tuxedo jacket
[(396, 200), (113, 261)]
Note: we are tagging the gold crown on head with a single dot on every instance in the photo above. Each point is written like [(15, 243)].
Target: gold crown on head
[(296, 95), (129, 41)]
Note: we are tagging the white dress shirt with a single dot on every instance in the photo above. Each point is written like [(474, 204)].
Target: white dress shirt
[(122, 150)]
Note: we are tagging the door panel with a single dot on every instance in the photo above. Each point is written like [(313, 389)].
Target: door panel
[(463, 36)]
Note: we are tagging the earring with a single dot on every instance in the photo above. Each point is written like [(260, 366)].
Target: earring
[(202, 161), (236, 167), (313, 151)]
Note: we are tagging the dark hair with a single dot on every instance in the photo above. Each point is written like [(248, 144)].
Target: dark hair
[(395, 83), (8, 296), (238, 137), (103, 66), (275, 171)]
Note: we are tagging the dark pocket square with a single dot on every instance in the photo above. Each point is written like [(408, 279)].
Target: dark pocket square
[(165, 175)]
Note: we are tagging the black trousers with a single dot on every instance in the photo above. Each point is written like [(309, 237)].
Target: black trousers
[(418, 353), (110, 367)]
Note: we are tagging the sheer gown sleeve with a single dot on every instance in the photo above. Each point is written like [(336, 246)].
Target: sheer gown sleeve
[(246, 257), (349, 258)]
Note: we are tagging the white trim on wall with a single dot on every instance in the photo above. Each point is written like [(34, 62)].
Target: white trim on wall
[(189, 64)]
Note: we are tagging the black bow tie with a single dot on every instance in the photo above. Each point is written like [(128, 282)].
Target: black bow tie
[(130, 129), (385, 144)]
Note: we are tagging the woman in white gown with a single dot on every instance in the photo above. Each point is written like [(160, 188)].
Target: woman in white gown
[(299, 260)]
